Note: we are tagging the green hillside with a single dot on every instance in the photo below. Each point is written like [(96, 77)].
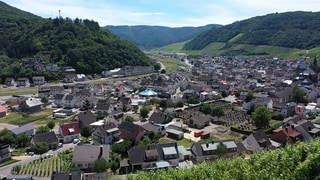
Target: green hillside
[(231, 49), (298, 161), (79, 43), (150, 37), (297, 30)]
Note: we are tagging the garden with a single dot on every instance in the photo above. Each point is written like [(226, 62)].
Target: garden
[(44, 167)]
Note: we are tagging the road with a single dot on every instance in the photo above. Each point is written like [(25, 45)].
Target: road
[(6, 170)]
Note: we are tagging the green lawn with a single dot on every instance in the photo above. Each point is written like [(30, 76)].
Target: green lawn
[(18, 91), (20, 119), (187, 143), (10, 161), (172, 64)]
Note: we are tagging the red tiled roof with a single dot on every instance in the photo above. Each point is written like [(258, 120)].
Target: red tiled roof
[(3, 108), (65, 128)]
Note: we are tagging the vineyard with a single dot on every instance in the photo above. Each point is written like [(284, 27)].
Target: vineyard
[(297, 161), (44, 167)]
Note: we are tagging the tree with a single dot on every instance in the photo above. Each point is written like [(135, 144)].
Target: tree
[(129, 119), (51, 125), (42, 129), (144, 111), (163, 104), (85, 131), (249, 96), (217, 111), (100, 165), (145, 141), (298, 95), (224, 93), (192, 100), (180, 103), (205, 108), (44, 99), (261, 117), (23, 140), (114, 166), (157, 66), (121, 148), (41, 147), (237, 94), (221, 149)]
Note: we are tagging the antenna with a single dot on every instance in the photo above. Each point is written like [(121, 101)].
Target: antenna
[(59, 13)]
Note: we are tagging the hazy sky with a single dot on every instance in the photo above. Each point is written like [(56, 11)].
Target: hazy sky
[(173, 13)]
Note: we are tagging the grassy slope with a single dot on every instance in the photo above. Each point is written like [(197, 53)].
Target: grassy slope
[(217, 48)]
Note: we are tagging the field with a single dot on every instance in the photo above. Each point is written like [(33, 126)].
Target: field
[(44, 167), (219, 48), (20, 119), (18, 91), (172, 64)]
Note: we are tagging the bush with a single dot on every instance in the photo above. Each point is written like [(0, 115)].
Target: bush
[(242, 131)]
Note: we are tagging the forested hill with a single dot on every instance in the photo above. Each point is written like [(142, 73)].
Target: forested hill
[(291, 29), (149, 37), (82, 44)]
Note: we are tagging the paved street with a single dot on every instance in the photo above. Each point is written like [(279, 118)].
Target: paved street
[(5, 171)]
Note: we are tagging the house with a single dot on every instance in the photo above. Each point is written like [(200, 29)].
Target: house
[(16, 100), (52, 67), (209, 150), (106, 134), (31, 105), (69, 131), (81, 77), (69, 78), (198, 120), (4, 152), (155, 128), (159, 118), (85, 118), (74, 175), (67, 101), (131, 132), (3, 111), (58, 100), (50, 138), (27, 129), (286, 134), (38, 80), (23, 82), (84, 156), (104, 107), (126, 103), (9, 82), (152, 157), (257, 141), (308, 130), (43, 91), (54, 90), (174, 134)]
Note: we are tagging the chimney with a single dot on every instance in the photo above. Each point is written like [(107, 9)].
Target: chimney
[(292, 126), (309, 128), (101, 152), (207, 145), (286, 129)]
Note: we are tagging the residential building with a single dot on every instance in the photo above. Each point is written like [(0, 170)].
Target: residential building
[(27, 129), (4, 152), (38, 80), (3, 111), (84, 156), (31, 105), (9, 82), (23, 82), (50, 138), (69, 131)]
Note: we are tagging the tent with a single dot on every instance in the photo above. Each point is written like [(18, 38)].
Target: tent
[(148, 92)]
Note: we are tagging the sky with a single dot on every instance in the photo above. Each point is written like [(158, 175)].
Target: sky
[(172, 13)]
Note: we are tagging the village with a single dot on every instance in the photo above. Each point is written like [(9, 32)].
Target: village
[(158, 120)]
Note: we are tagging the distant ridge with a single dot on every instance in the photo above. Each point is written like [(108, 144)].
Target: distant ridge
[(150, 37), (290, 30)]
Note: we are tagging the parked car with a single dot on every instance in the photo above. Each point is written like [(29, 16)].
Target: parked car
[(60, 145), (75, 141)]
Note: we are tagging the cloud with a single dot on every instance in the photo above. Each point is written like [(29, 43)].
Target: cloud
[(162, 12)]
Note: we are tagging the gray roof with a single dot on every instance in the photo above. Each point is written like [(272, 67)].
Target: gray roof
[(173, 131), (88, 154), (31, 102), (22, 129)]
